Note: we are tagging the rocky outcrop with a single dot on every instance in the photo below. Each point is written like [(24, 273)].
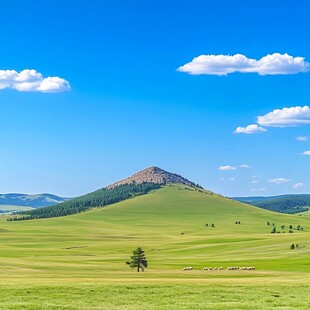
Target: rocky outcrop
[(155, 175)]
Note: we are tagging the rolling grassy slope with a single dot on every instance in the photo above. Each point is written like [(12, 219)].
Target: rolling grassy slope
[(101, 197), (78, 261), (98, 242)]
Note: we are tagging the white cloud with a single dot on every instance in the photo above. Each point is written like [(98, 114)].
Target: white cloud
[(224, 64), (227, 168), (279, 180), (258, 189), (254, 181), (250, 129), (298, 185), (306, 153), (221, 179), (31, 81), (286, 117), (245, 166), (232, 179)]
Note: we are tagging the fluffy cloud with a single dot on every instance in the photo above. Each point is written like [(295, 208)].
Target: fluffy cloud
[(286, 117), (306, 153), (224, 64), (279, 180), (250, 129), (254, 181), (298, 185), (227, 168), (245, 166), (31, 81)]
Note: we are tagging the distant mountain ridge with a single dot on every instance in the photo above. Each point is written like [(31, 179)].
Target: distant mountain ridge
[(253, 199), (293, 203), (36, 201), (155, 175)]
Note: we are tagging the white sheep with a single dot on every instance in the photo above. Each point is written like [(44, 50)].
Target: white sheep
[(187, 268)]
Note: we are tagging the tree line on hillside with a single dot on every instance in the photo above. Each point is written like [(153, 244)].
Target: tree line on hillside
[(101, 197), (288, 204)]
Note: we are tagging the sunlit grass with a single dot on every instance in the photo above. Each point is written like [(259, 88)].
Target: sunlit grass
[(78, 262)]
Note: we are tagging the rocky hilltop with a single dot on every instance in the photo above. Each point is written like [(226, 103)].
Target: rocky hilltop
[(154, 175)]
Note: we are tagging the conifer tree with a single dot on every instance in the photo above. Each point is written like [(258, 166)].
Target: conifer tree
[(138, 260)]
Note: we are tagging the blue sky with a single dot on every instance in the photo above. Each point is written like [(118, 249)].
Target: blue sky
[(103, 96)]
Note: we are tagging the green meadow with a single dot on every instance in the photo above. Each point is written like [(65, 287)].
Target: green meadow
[(11, 208), (79, 261)]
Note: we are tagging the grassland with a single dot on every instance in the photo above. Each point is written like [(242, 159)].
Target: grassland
[(78, 262), (11, 208)]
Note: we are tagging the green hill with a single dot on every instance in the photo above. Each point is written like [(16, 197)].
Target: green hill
[(140, 183), (80, 259), (99, 198), (170, 224), (285, 203)]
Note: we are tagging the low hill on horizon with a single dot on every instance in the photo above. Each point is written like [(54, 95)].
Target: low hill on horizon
[(35, 201), (291, 203)]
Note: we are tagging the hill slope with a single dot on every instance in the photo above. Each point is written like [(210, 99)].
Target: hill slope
[(139, 184), (169, 224), (100, 198)]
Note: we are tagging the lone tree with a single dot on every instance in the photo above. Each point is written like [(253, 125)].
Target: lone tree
[(138, 260)]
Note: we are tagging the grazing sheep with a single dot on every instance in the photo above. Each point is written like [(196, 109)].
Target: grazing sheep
[(228, 268), (233, 268), (187, 268), (241, 268)]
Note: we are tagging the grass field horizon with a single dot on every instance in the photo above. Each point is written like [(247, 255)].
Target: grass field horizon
[(11, 208), (87, 252)]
